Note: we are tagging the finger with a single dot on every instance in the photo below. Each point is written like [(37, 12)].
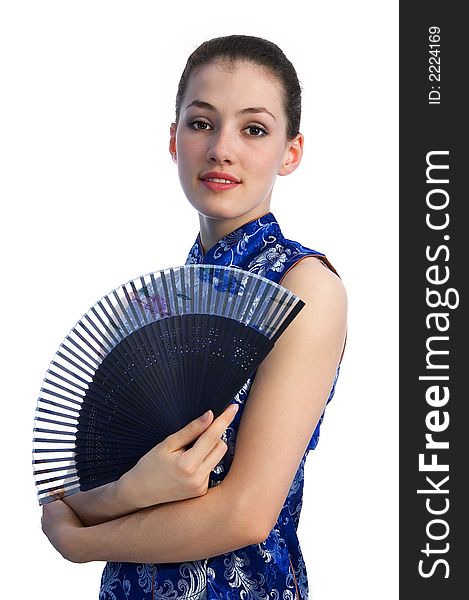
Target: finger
[(209, 439), (190, 432), (215, 456)]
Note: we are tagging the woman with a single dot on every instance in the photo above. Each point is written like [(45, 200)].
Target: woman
[(237, 127)]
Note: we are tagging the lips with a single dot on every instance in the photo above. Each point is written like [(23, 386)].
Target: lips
[(219, 181), (221, 177)]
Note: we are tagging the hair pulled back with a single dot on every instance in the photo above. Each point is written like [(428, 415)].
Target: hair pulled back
[(258, 51)]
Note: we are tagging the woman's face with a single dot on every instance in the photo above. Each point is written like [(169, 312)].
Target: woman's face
[(232, 127)]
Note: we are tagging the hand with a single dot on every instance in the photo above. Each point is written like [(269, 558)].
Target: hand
[(172, 472), (60, 524)]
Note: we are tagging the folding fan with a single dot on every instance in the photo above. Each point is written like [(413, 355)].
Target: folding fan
[(144, 361)]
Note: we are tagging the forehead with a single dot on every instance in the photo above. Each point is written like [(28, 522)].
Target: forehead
[(240, 85)]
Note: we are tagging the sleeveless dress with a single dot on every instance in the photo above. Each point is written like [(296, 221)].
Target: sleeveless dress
[(274, 569)]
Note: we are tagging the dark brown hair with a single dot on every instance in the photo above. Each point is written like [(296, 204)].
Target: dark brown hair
[(258, 51)]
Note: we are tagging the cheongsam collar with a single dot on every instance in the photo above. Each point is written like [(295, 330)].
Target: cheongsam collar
[(239, 247)]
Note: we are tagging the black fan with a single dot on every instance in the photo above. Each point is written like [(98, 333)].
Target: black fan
[(144, 361)]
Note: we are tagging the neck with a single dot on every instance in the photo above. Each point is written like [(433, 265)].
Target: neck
[(212, 230)]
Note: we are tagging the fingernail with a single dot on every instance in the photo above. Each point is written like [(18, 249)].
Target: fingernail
[(234, 408), (204, 417)]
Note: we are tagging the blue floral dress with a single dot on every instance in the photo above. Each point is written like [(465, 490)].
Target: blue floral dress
[(274, 569)]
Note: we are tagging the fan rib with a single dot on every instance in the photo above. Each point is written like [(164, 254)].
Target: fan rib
[(83, 351), (57, 404), (54, 412), (69, 372)]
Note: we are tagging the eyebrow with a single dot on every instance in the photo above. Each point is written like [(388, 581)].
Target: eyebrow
[(243, 111)]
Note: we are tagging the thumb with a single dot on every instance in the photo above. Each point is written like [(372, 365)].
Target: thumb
[(191, 431)]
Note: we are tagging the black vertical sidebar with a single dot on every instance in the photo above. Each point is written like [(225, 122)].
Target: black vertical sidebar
[(434, 268)]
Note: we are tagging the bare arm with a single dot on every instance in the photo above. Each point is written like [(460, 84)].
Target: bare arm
[(168, 472), (286, 400), (101, 504)]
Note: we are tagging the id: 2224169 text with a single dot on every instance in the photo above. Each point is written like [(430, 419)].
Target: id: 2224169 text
[(434, 74)]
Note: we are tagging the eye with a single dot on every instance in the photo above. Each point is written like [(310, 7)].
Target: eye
[(199, 125), (255, 131)]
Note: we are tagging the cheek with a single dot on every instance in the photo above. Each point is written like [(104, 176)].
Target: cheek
[(266, 163), (187, 145), (187, 155)]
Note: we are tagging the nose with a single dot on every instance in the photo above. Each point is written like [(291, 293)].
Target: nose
[(221, 148)]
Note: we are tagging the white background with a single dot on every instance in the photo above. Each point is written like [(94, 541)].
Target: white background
[(88, 189)]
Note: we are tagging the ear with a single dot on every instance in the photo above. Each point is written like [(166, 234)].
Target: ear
[(292, 156), (172, 141)]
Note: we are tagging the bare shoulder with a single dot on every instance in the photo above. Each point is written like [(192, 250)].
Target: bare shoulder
[(314, 282), (320, 327)]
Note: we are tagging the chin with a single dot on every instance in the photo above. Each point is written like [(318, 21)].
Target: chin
[(229, 213), (228, 208)]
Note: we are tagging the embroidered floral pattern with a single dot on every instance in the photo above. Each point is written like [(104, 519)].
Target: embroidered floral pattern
[(146, 575), (239, 577), (236, 241), (110, 581), (274, 569), (271, 259)]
